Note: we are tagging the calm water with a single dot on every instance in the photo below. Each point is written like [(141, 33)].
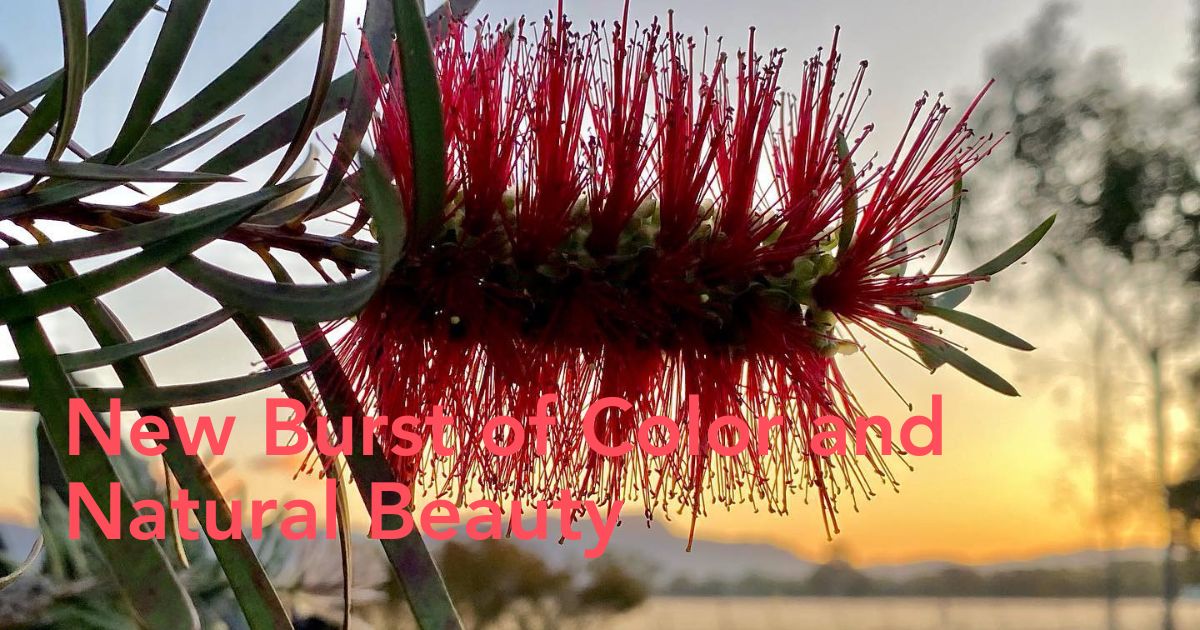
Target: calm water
[(669, 613)]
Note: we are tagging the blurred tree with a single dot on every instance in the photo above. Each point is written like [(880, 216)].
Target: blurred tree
[(1119, 166), (838, 578), (612, 588), (496, 581)]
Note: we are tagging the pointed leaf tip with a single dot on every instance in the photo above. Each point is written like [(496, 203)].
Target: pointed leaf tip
[(1016, 252), (942, 352)]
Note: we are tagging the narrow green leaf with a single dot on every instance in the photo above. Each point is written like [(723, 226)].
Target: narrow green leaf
[(31, 559), (140, 568), (170, 49), (23, 399), (142, 234), (943, 352), (1016, 252), (952, 298), (273, 134), (310, 167), (263, 58), (260, 142), (107, 355), (64, 192), (247, 579), (423, 100), (979, 326), (102, 172), (932, 362), (344, 541), (383, 204), (92, 284), (955, 209), (73, 14), (330, 39), (411, 561), (313, 302), (849, 196), (271, 350), (378, 28), (173, 534), (72, 146), (106, 39), (21, 98), (341, 198)]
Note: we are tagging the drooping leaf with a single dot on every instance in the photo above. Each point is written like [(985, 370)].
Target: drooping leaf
[(272, 351), (102, 172), (979, 326), (107, 355), (312, 302), (139, 567), (141, 234), (378, 27), (174, 42), (942, 352), (73, 14), (345, 533), (955, 209), (1016, 252), (410, 558), (326, 60), (317, 302)]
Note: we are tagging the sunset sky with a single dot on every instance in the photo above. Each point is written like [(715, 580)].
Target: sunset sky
[(1013, 481)]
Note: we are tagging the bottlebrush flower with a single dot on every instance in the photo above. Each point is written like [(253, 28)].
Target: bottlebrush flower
[(630, 216)]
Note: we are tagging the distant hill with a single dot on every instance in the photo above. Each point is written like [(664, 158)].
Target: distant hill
[(1085, 559), (660, 554)]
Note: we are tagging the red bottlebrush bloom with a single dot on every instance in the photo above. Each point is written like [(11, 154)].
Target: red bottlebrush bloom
[(627, 220)]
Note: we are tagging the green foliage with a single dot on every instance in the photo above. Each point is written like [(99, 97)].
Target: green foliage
[(152, 239)]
